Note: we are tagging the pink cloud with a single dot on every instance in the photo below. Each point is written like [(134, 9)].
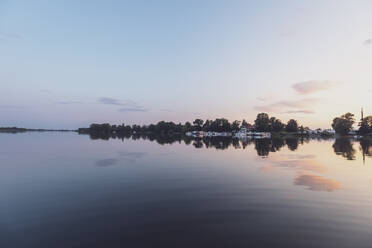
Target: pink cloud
[(309, 87), (297, 106)]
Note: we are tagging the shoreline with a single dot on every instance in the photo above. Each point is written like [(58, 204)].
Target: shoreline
[(272, 135), (23, 130)]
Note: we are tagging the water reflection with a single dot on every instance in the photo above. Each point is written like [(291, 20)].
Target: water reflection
[(341, 146), (317, 183), (366, 147), (292, 143), (123, 156), (300, 163), (131, 156), (147, 195), (344, 147)]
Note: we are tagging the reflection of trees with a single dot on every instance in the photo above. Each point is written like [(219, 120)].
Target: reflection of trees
[(246, 142), (344, 147), (265, 146), (262, 146), (198, 144), (366, 147), (292, 143), (220, 143), (277, 144)]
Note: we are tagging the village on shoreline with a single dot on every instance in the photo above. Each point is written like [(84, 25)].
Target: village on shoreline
[(244, 133), (264, 127)]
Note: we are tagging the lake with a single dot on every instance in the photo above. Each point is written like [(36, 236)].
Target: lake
[(69, 190)]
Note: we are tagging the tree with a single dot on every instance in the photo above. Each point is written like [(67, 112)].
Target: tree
[(262, 122), (207, 125), (198, 123), (343, 125), (292, 126), (235, 125), (365, 125), (187, 127), (224, 125), (248, 126), (271, 123), (277, 126), (244, 123)]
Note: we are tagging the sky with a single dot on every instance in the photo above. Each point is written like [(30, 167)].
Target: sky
[(66, 64)]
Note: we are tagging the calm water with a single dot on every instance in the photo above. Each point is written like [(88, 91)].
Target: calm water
[(67, 190)]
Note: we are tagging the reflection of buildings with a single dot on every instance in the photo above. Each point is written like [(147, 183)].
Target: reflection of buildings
[(247, 133), (242, 133)]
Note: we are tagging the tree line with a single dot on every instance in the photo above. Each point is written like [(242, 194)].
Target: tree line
[(263, 123), (344, 124)]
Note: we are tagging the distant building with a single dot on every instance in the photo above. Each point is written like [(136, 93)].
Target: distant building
[(353, 132), (329, 131)]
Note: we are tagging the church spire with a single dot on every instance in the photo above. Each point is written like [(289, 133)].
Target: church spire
[(361, 114)]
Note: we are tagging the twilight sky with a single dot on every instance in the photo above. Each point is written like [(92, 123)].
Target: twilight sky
[(65, 64)]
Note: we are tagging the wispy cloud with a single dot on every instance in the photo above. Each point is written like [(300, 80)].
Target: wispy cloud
[(368, 42), (303, 111), (166, 110), (106, 162), (9, 36), (132, 109), (263, 98), (69, 102), (6, 106), (110, 101), (126, 105), (45, 91), (309, 87), (297, 106)]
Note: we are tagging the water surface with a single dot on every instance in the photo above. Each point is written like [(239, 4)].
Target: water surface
[(68, 190)]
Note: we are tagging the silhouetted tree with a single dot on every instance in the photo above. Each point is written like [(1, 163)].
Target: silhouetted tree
[(262, 122), (365, 125), (292, 126), (343, 125), (198, 123), (277, 126), (235, 126)]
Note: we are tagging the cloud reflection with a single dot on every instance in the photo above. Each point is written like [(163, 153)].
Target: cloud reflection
[(317, 183), (298, 162), (131, 156), (123, 156)]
